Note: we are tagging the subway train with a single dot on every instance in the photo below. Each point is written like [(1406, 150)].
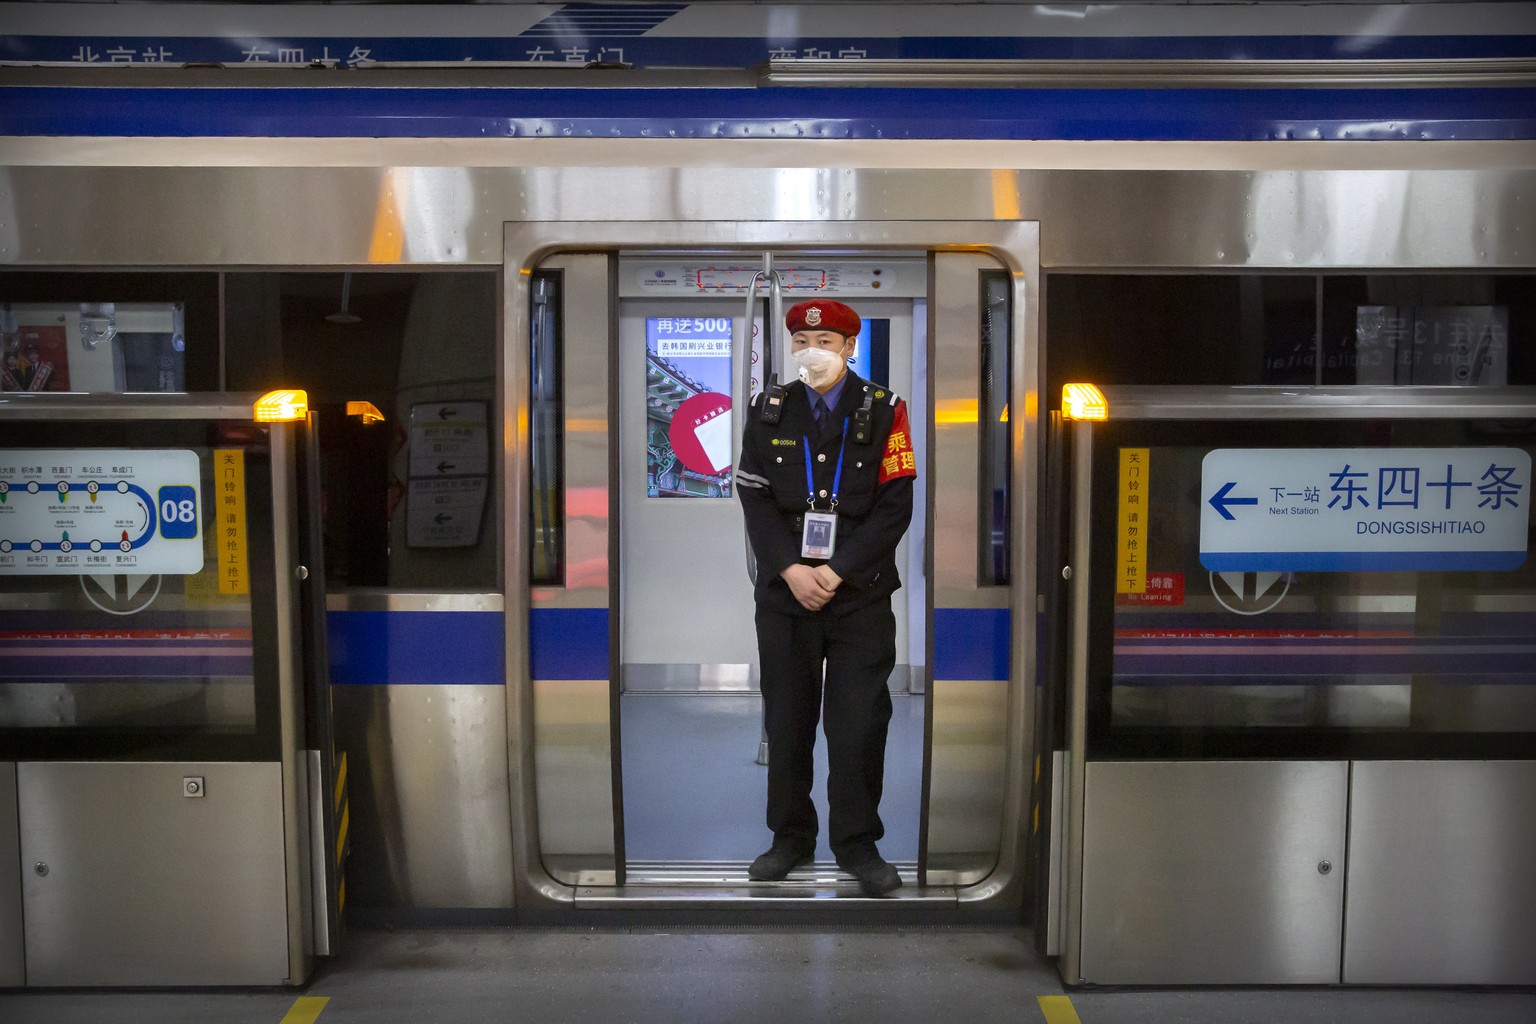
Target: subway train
[(1185, 657)]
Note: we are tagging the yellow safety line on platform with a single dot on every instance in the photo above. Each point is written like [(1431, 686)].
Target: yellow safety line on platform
[(1058, 1010), (305, 1009)]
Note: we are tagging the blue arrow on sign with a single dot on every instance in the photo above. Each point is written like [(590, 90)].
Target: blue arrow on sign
[(1220, 501)]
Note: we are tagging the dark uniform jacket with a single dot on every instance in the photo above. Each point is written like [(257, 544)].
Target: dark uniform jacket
[(874, 498)]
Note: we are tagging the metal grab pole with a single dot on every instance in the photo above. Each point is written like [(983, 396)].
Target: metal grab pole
[(770, 329), (775, 318), (742, 399)]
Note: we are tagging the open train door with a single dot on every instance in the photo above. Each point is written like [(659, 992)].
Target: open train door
[(633, 717)]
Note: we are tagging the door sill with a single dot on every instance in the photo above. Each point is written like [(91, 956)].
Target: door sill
[(790, 893), (702, 885)]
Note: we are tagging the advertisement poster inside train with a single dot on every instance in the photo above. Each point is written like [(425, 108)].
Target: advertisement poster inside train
[(34, 359), (688, 407)]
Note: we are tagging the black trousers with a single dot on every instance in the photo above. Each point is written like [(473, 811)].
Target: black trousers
[(858, 651)]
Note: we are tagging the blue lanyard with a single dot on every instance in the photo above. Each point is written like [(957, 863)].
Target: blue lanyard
[(837, 476)]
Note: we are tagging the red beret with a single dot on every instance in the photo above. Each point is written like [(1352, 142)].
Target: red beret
[(823, 315)]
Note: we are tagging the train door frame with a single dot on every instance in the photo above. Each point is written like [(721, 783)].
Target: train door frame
[(689, 712), (1015, 247)]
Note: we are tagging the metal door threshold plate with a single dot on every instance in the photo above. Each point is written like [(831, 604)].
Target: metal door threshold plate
[(704, 885), (778, 894)]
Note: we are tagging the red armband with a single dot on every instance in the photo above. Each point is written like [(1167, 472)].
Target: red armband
[(899, 459)]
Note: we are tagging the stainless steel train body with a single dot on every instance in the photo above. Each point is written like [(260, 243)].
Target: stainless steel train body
[(495, 765)]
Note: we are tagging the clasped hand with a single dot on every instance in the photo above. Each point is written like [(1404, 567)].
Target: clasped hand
[(812, 585)]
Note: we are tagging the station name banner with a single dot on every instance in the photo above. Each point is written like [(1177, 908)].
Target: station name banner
[(1364, 509), (74, 512), (725, 35)]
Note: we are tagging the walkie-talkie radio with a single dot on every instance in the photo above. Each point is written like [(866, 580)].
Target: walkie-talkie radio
[(773, 402)]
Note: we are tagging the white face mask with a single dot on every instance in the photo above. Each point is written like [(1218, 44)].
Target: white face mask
[(818, 367)]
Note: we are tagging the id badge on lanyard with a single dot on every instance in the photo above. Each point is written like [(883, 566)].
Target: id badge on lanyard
[(818, 538)]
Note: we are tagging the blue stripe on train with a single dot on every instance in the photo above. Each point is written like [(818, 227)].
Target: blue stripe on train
[(405, 648), (414, 648), (971, 643), (782, 113), (568, 643)]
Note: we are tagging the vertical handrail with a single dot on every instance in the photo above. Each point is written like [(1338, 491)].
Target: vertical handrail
[(741, 399), (743, 395), (770, 328), (775, 318)]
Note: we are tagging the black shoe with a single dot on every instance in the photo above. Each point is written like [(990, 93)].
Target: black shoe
[(780, 860), (876, 877)]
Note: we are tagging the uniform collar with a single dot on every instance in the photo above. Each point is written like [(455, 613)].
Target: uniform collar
[(848, 390), (845, 399), (834, 393)]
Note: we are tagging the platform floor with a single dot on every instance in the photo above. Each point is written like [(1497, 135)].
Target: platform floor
[(736, 976)]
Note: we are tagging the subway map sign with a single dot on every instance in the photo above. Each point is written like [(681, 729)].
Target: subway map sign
[(87, 511), (1364, 509)]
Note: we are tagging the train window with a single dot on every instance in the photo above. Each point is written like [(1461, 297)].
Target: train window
[(1388, 662), (1463, 329), (1180, 328), (1291, 329), (408, 502), (157, 661), (996, 439), (109, 332), (545, 435)]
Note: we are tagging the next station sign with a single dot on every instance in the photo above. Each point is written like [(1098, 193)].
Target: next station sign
[(1362, 509)]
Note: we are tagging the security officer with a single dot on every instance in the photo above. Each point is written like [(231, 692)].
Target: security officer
[(826, 479)]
